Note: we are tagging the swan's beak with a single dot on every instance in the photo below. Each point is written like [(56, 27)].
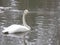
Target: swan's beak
[(28, 11)]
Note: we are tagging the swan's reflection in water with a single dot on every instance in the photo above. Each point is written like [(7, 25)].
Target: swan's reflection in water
[(14, 39)]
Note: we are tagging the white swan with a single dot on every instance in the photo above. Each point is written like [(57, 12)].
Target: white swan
[(18, 28)]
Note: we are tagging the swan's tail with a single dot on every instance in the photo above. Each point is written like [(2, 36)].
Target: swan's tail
[(5, 31)]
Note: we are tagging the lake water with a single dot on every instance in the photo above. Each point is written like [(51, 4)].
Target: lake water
[(44, 20)]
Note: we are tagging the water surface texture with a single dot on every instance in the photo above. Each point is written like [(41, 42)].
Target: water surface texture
[(44, 19)]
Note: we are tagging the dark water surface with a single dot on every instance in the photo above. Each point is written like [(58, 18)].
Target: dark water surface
[(44, 19)]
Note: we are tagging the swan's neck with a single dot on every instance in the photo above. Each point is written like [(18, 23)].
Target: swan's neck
[(24, 21)]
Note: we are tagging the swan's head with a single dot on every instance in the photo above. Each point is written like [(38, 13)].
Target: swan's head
[(26, 11)]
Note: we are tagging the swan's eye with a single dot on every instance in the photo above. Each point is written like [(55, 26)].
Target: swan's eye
[(6, 33)]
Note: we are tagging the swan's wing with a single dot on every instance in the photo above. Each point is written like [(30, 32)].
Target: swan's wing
[(10, 28)]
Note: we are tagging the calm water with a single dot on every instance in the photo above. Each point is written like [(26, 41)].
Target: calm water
[(44, 19)]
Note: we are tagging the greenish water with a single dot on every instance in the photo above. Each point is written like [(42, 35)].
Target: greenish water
[(44, 19)]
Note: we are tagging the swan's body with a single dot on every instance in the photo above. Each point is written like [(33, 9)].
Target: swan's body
[(15, 28), (18, 28)]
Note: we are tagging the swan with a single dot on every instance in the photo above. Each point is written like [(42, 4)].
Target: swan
[(18, 28)]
